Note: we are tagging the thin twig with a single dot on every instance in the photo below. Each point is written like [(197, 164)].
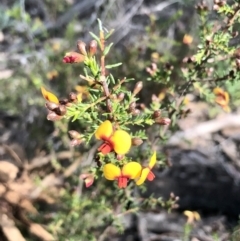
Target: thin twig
[(13, 154)]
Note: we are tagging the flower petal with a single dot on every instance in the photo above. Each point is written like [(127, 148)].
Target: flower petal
[(49, 96), (153, 160), (121, 141), (150, 176), (226, 108), (218, 91), (226, 95), (143, 176), (111, 172), (104, 131), (105, 148), (132, 170), (122, 182)]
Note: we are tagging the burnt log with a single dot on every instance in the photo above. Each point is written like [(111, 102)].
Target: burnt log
[(206, 182)]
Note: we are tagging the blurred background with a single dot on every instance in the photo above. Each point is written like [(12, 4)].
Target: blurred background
[(39, 170)]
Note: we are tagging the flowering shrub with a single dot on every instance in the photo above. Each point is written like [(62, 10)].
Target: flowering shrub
[(114, 117), (114, 108)]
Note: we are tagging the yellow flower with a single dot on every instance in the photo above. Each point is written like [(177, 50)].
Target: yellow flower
[(52, 74), (147, 171), (119, 140), (131, 170), (222, 98), (49, 96), (82, 91), (192, 216)]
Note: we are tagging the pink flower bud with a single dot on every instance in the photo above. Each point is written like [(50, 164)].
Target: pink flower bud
[(121, 96), (132, 107), (72, 97), (61, 110), (163, 121), (136, 141), (92, 47), (120, 157), (156, 114), (51, 106), (82, 47), (138, 87), (52, 116), (136, 112), (74, 134), (75, 142)]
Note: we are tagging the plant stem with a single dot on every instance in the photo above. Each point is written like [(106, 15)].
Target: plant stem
[(103, 72)]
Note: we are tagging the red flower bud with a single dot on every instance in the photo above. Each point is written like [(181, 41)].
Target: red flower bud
[(73, 57)]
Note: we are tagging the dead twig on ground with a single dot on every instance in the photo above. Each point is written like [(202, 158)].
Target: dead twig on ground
[(202, 129)]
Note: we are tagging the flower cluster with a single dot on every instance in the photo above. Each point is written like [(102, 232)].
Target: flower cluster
[(119, 141), (115, 141)]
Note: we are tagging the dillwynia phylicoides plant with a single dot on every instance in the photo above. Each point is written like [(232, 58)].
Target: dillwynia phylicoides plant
[(110, 111)]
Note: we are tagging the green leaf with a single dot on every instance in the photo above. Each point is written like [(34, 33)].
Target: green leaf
[(112, 79), (75, 117), (112, 65), (107, 49), (99, 24), (109, 34), (96, 38)]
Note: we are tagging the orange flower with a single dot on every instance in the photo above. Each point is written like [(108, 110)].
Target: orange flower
[(131, 170), (222, 98), (187, 39), (147, 171), (118, 141), (49, 96)]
